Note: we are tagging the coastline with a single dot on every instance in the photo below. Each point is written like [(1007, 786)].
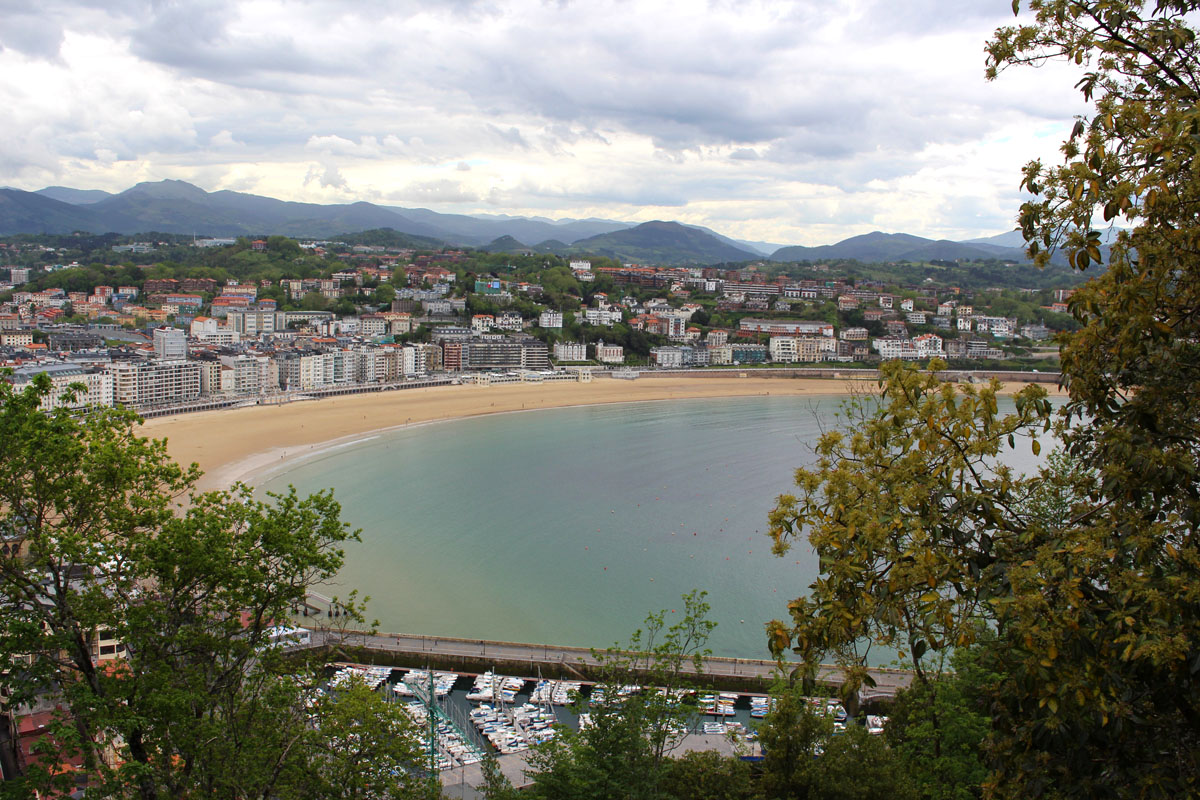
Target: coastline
[(239, 444)]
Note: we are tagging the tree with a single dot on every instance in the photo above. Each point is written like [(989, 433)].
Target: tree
[(314, 301), (363, 747), (805, 757), (623, 752), (937, 728), (96, 542), (708, 775), (922, 532), (384, 294)]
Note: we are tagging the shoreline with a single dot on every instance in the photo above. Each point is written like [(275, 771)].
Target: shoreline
[(240, 444)]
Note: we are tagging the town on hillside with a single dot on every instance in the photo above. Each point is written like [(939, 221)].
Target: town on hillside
[(167, 323)]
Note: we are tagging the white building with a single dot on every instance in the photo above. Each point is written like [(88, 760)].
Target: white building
[(509, 321), (928, 345), (98, 389), (550, 319), (249, 323), (211, 331), (721, 354), (154, 383), (893, 348), (482, 322), (792, 349), (311, 371), (597, 316), (570, 351), (667, 357), (249, 374), (373, 325), (170, 344)]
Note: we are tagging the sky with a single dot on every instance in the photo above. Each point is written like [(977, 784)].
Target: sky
[(785, 122)]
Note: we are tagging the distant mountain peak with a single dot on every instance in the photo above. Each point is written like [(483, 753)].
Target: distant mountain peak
[(167, 189)]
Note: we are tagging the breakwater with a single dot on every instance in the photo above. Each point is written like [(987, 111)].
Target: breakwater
[(572, 663)]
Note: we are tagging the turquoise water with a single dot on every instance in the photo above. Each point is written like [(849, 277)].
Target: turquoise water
[(568, 526)]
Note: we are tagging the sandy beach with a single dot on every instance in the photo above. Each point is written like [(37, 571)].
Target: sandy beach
[(235, 444)]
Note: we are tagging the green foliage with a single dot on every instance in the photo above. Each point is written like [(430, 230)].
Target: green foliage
[(707, 775), (901, 511), (623, 753), (1089, 571), (937, 728), (200, 705), (363, 747), (805, 758)]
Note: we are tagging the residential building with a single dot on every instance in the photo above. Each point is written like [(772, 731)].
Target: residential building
[(509, 321), (743, 353), (170, 344), (98, 385), (610, 353), (16, 338), (928, 345), (250, 323), (786, 327), (570, 351), (550, 319), (154, 383), (793, 349), (890, 348), (668, 357), (210, 331), (599, 316)]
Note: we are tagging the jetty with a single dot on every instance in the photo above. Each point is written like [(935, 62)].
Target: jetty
[(567, 662)]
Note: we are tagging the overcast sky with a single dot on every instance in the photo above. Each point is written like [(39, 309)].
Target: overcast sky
[(796, 123)]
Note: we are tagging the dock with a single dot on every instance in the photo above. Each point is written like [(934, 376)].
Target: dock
[(569, 662)]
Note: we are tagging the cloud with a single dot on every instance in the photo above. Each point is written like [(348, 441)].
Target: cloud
[(326, 176), (758, 114)]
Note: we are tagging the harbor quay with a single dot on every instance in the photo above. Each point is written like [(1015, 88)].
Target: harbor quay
[(743, 683), (579, 663)]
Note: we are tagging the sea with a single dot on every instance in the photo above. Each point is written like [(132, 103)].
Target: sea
[(569, 526)]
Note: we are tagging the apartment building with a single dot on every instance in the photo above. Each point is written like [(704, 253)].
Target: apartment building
[(152, 383)]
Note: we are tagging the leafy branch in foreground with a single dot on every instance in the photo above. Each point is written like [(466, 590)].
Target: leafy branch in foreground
[(147, 622), (1089, 570)]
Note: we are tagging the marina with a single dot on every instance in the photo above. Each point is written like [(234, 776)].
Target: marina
[(524, 711)]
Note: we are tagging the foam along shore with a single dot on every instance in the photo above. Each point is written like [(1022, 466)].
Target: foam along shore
[(236, 444)]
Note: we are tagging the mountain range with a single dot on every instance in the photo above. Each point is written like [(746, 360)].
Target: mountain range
[(178, 207)]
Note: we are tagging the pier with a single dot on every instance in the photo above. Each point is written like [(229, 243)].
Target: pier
[(568, 662)]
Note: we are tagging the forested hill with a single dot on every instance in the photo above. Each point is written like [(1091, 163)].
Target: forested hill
[(662, 243)]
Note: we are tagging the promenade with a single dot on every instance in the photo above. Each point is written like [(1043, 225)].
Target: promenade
[(577, 661)]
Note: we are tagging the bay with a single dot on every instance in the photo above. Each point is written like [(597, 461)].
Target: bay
[(568, 526)]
